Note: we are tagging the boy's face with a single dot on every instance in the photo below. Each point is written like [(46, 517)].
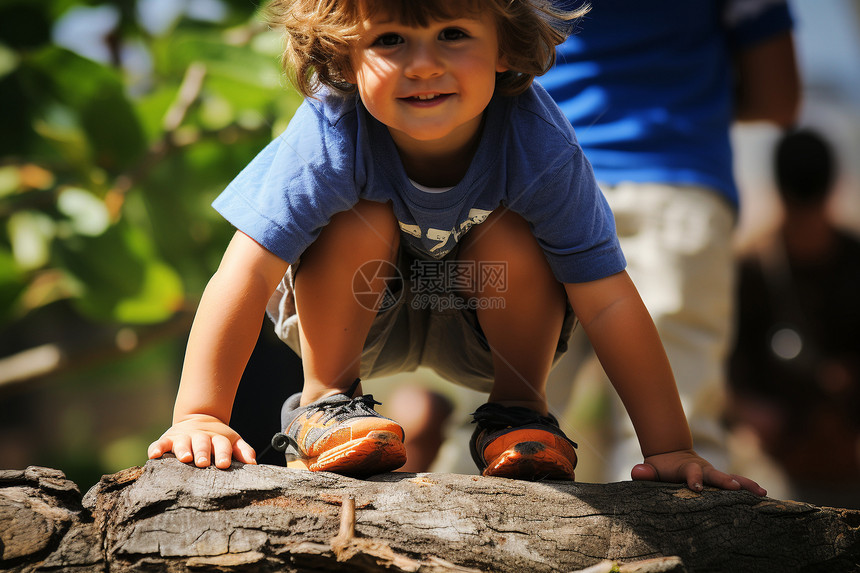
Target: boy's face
[(427, 84)]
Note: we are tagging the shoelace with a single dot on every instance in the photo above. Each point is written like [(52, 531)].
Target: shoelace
[(494, 416), (354, 405), (358, 405)]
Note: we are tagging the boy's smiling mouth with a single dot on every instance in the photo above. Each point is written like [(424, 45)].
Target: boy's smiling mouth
[(426, 99)]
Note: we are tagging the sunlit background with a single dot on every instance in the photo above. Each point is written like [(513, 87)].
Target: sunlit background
[(120, 121)]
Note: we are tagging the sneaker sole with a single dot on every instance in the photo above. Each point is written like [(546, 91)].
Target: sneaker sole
[(531, 461), (377, 452)]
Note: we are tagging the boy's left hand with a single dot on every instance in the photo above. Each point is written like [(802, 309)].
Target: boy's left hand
[(685, 466)]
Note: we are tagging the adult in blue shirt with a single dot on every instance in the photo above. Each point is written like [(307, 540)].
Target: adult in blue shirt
[(652, 90)]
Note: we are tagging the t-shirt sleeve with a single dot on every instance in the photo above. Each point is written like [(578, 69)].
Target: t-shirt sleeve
[(574, 225), (290, 191), (751, 22)]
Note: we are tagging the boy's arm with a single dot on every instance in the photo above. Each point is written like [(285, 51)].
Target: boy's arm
[(626, 342), (222, 338), (768, 82)]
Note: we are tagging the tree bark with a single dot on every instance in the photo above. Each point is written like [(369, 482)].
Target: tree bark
[(168, 516)]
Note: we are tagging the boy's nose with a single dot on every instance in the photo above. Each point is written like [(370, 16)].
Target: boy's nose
[(424, 62)]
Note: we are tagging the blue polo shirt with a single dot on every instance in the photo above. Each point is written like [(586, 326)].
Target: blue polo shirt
[(648, 86)]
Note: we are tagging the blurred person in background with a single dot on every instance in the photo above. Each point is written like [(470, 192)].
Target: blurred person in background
[(652, 91), (795, 371)]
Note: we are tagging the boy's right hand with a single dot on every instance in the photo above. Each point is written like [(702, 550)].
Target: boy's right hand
[(197, 438)]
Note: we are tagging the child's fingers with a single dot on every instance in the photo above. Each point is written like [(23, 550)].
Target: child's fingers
[(159, 447), (750, 485), (223, 450), (694, 476), (692, 470), (644, 472), (721, 480), (181, 445), (243, 452), (201, 446), (733, 482)]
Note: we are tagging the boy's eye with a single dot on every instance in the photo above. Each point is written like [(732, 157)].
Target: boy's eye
[(450, 34), (388, 40)]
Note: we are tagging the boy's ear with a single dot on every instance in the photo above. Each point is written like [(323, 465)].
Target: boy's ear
[(502, 65)]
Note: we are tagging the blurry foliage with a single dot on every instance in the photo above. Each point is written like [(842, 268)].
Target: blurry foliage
[(107, 170), (109, 161)]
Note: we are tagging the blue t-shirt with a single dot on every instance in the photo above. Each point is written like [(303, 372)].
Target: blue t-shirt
[(334, 153), (648, 86)]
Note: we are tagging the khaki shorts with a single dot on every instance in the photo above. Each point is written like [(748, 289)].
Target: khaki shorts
[(417, 326)]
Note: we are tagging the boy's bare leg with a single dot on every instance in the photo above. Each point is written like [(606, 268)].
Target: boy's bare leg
[(334, 322), (338, 289), (523, 330), (514, 437)]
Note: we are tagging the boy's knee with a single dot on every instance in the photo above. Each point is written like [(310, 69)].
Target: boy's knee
[(506, 239), (504, 235), (368, 228), (375, 210), (369, 218)]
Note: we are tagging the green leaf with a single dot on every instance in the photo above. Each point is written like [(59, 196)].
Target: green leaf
[(152, 107), (31, 233), (160, 296), (12, 284), (9, 180), (238, 63), (94, 96), (8, 61), (120, 277), (87, 213), (105, 264)]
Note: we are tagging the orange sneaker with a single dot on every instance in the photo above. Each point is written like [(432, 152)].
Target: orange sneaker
[(340, 434), (519, 443)]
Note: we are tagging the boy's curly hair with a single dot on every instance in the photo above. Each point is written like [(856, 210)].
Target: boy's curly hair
[(319, 33)]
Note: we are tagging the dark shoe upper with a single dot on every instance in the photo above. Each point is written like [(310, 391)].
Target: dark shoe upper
[(507, 428)]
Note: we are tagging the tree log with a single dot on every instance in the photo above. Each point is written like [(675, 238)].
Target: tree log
[(168, 516)]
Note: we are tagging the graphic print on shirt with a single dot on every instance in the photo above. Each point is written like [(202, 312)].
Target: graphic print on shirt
[(441, 237)]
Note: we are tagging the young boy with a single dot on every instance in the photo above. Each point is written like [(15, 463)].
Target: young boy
[(429, 176)]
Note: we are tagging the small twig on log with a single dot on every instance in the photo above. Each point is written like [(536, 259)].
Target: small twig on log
[(347, 521), (671, 564), (360, 553)]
